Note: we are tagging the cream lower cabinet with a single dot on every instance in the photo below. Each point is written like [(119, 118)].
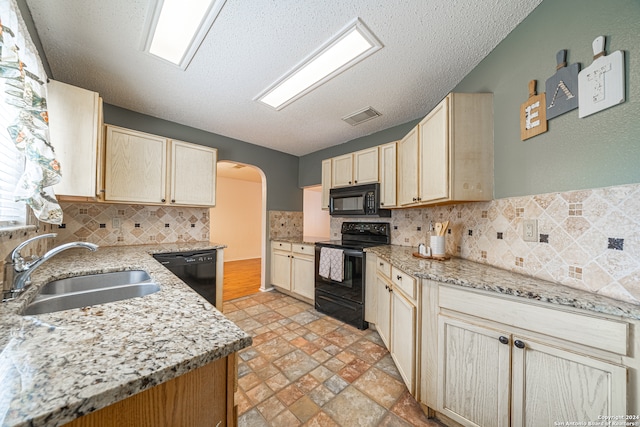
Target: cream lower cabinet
[(396, 318), (139, 166), (293, 268), (528, 366)]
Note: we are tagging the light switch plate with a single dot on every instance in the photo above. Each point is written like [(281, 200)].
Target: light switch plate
[(530, 230)]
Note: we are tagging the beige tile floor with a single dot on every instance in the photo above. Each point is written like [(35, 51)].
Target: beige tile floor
[(305, 368)]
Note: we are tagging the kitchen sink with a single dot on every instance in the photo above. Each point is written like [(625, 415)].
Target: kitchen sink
[(81, 291), (94, 281)]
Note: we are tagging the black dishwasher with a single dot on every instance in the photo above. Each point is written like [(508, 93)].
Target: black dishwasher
[(197, 269)]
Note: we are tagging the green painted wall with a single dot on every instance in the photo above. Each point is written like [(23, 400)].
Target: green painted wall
[(596, 151), (280, 169)]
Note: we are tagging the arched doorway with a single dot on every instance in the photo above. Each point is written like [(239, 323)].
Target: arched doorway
[(239, 221)]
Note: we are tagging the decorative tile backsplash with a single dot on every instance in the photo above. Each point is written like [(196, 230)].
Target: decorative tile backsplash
[(285, 224), (113, 224), (588, 239)]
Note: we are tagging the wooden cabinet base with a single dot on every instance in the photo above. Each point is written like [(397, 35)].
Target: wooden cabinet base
[(202, 397)]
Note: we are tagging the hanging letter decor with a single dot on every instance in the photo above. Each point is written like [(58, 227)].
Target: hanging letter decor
[(562, 87), (601, 84), (533, 117)]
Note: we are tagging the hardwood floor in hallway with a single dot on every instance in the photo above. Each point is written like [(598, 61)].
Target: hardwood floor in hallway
[(241, 278)]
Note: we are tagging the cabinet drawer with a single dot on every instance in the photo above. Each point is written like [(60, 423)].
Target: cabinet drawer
[(303, 249), (404, 281), (283, 246), (384, 268), (598, 332)]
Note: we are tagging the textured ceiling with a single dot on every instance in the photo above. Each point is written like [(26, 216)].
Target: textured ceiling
[(429, 46)]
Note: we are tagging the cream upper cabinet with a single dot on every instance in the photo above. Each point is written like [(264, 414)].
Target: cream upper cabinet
[(356, 168), (342, 171), (453, 146), (138, 167), (388, 178), (365, 166), (135, 166), (326, 183), (193, 174), (75, 129), (408, 169)]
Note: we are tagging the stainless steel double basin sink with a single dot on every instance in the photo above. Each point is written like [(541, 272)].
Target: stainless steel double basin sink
[(82, 291)]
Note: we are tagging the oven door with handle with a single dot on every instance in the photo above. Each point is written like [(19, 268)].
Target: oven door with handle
[(347, 311), (352, 286)]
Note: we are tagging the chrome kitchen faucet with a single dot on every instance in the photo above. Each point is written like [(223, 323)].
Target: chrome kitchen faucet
[(17, 270)]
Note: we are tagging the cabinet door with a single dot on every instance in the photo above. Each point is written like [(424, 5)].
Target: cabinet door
[(365, 166), (434, 154), (75, 126), (383, 315), (135, 166), (403, 334), (281, 269), (303, 276), (408, 169), (388, 179), (551, 385), (474, 374), (326, 183), (341, 171), (193, 174)]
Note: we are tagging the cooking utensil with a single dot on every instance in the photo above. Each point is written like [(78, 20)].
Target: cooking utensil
[(438, 229), (445, 226)]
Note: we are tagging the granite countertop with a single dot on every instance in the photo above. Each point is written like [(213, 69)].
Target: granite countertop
[(469, 274), (307, 240), (59, 366)]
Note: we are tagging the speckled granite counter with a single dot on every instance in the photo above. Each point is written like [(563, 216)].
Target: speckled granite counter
[(56, 367), (457, 271), (307, 240)]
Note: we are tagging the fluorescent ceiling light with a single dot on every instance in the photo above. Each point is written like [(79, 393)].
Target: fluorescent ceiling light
[(176, 28), (345, 49)]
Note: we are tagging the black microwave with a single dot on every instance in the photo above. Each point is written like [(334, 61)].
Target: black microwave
[(359, 200)]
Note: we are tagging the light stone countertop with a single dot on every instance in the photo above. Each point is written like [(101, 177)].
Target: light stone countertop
[(59, 366), (469, 274), (306, 240)]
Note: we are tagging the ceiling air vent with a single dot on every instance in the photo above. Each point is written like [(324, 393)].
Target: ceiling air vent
[(361, 116)]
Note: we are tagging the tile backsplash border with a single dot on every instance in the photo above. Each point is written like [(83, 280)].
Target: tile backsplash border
[(586, 239)]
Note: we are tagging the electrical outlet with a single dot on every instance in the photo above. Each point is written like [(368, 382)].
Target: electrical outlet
[(115, 222), (530, 230)]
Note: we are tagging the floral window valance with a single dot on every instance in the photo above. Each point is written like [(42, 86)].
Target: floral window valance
[(22, 79)]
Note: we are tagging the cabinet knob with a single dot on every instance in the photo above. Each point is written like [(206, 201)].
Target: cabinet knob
[(381, 203), (503, 340), (386, 286), (173, 200), (518, 344), (399, 277), (163, 200), (349, 182), (381, 265), (355, 182), (415, 200)]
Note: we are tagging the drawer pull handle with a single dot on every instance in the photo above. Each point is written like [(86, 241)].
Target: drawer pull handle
[(503, 340), (381, 264), (518, 344)]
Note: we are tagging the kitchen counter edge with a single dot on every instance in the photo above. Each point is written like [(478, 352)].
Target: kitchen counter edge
[(61, 366)]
